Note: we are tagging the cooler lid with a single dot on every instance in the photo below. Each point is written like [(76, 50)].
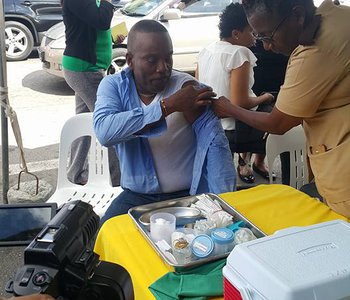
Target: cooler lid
[(297, 259)]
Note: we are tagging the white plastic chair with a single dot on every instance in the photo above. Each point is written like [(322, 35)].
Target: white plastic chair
[(98, 191), (294, 142)]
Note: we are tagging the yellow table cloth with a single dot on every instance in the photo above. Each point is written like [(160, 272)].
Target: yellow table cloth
[(269, 207)]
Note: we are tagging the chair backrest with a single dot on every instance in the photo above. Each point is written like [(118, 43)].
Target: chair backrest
[(294, 142), (78, 126)]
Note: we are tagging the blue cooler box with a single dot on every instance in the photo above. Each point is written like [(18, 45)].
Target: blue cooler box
[(297, 263)]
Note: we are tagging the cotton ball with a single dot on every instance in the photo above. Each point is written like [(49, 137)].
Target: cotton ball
[(243, 235)]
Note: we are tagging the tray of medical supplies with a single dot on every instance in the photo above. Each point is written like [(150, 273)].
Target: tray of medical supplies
[(193, 230)]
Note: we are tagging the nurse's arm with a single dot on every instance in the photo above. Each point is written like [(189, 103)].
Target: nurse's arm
[(275, 122)]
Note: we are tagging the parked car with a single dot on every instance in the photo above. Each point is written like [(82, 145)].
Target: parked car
[(25, 24), (119, 3), (190, 29)]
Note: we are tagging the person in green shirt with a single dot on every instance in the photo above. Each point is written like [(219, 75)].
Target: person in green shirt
[(87, 55)]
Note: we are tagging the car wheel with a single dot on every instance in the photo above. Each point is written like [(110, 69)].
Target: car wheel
[(118, 61), (19, 41)]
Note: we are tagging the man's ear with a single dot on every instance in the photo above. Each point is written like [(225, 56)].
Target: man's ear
[(128, 57)]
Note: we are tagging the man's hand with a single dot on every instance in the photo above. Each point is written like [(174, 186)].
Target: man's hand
[(193, 115), (189, 98)]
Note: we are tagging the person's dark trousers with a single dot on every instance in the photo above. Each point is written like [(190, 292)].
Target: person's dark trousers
[(85, 85), (128, 199), (311, 190)]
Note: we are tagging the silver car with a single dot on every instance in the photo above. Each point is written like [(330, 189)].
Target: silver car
[(190, 29)]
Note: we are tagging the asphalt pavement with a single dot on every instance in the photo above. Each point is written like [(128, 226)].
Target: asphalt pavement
[(42, 103)]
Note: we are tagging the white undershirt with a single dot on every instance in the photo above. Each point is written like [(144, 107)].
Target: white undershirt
[(173, 153)]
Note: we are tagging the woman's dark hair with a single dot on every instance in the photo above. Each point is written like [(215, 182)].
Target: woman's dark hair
[(232, 17)]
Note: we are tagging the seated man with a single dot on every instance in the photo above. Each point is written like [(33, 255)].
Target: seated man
[(147, 112)]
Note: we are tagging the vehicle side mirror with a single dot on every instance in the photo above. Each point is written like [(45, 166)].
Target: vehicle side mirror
[(171, 14)]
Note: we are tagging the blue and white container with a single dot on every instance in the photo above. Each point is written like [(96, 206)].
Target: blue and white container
[(202, 246), (223, 240)]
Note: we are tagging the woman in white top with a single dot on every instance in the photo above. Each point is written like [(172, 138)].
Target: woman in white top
[(227, 66)]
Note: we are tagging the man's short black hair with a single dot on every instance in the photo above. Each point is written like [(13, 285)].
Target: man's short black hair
[(147, 26), (232, 17)]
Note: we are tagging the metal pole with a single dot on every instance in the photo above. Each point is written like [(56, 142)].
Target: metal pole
[(4, 100)]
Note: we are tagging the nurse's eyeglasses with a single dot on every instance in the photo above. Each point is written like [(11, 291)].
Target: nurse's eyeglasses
[(269, 39)]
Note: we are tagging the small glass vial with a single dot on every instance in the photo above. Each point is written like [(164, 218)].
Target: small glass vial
[(223, 240), (180, 244), (182, 251), (202, 246)]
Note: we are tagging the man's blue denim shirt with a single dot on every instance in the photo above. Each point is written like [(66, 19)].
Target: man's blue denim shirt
[(118, 115)]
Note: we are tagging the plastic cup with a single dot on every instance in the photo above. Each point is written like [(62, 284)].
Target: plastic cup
[(162, 225)]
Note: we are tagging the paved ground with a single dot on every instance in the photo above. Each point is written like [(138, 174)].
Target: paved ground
[(43, 103)]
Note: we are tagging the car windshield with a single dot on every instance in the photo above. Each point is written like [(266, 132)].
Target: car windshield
[(208, 6), (140, 7)]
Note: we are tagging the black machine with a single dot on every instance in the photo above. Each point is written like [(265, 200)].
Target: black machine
[(60, 261)]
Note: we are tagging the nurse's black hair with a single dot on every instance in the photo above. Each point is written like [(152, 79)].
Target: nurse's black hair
[(277, 7)]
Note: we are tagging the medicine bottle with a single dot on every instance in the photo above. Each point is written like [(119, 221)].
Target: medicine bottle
[(223, 240), (202, 246)]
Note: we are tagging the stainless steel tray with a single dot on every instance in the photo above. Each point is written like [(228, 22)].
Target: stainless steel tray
[(136, 212)]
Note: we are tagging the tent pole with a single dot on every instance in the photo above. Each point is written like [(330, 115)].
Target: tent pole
[(4, 102)]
